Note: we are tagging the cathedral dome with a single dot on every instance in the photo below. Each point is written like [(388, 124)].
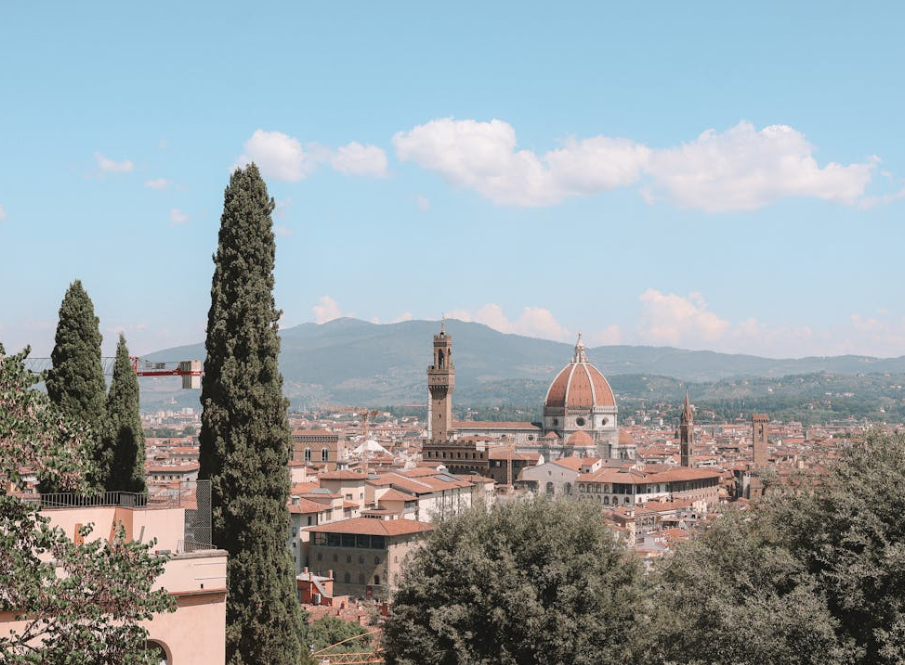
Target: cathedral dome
[(579, 385)]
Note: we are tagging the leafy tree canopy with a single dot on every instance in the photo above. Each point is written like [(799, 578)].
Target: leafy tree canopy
[(533, 581)]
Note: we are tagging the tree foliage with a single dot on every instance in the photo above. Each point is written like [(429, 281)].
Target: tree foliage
[(75, 382), (738, 596), (124, 440), (534, 581), (79, 603), (244, 436), (327, 631), (850, 534)]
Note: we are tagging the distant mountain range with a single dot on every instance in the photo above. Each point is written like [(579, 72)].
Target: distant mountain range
[(348, 361)]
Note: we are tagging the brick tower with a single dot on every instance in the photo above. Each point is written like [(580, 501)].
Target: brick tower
[(441, 381), (686, 433), (759, 426)]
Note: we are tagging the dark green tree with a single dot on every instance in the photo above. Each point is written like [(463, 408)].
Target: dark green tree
[(527, 582), (738, 596), (850, 535), (124, 440), (75, 382), (244, 434)]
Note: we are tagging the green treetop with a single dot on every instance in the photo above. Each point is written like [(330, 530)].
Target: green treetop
[(124, 441), (528, 582), (244, 434), (75, 382)]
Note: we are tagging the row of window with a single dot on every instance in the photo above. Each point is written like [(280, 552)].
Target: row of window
[(350, 540), (347, 578), (437, 455), (325, 452), (361, 558)]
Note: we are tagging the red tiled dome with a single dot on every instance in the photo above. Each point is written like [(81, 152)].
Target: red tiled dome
[(579, 384)]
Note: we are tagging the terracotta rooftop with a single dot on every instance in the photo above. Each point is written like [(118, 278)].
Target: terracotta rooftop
[(342, 475)]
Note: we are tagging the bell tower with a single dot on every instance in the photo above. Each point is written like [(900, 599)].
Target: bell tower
[(686, 433), (441, 381)]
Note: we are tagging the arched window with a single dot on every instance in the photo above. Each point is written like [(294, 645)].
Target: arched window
[(307, 454), (324, 453), (568, 489), (377, 579), (606, 501), (549, 489), (160, 652), (442, 358)]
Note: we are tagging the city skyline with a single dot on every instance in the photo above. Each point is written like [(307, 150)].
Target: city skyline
[(543, 172)]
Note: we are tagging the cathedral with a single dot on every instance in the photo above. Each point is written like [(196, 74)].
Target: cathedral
[(580, 417)]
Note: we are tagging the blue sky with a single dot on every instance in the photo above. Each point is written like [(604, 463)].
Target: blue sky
[(702, 175)]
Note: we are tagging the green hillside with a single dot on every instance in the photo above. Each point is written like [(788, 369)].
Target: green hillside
[(348, 361)]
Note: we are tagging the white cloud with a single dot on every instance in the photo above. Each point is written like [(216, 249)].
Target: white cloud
[(282, 157), (107, 165), (158, 183), (533, 321), (327, 309), (178, 217), (745, 169), (278, 155), (282, 231), (670, 319), (686, 322), (406, 316), (358, 159), (884, 199), (739, 169), (2, 212), (483, 156)]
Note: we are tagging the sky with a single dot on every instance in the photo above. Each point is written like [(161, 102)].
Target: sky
[(704, 175)]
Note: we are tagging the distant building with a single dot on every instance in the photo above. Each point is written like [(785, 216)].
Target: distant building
[(319, 446), (580, 419), (364, 556)]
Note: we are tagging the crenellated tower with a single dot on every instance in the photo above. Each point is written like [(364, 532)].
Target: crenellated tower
[(441, 381)]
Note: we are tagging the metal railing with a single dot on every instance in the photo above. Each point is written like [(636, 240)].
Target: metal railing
[(99, 500), (192, 545)]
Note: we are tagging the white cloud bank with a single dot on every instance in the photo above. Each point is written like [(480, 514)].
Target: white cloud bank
[(282, 157), (532, 322), (740, 169), (2, 212)]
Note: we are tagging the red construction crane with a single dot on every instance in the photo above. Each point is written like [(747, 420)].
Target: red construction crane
[(189, 370)]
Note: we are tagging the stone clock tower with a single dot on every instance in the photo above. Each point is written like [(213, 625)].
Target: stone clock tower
[(441, 381)]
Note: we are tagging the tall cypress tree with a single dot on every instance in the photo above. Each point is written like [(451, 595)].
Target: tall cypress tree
[(75, 382), (245, 433), (124, 439)]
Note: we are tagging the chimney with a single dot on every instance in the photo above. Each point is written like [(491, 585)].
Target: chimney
[(306, 570), (294, 499), (330, 574)]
